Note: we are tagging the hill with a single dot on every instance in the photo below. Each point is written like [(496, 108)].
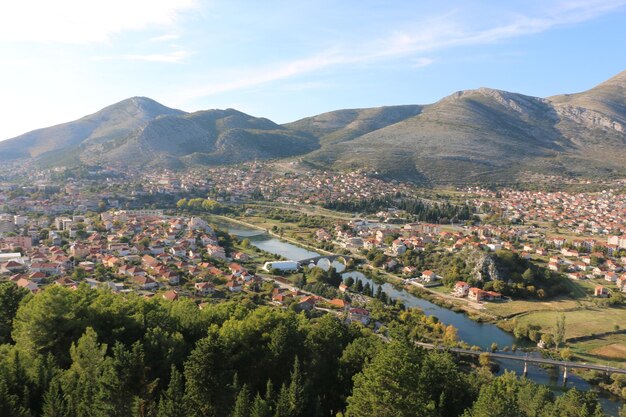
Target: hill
[(111, 122), (141, 132), (471, 136), (208, 137), (484, 135)]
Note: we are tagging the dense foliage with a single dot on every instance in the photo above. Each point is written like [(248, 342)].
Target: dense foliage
[(517, 277), (422, 211), (90, 353)]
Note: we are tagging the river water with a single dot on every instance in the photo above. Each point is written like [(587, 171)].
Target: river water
[(470, 331)]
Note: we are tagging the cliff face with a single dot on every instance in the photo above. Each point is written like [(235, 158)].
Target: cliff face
[(485, 268)]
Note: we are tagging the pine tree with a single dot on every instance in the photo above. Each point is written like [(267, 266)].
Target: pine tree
[(259, 407), (283, 404), (269, 395), (53, 403), (10, 404), (171, 403), (80, 382), (242, 403), (296, 391)]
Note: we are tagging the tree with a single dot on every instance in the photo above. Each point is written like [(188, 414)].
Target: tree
[(79, 273), (10, 297), (507, 396), (10, 404), (451, 335), (80, 382), (297, 398), (53, 403), (566, 354), (484, 359), (242, 403), (559, 331), (171, 403), (206, 377), (259, 407), (528, 275), (182, 203), (389, 384), (548, 339)]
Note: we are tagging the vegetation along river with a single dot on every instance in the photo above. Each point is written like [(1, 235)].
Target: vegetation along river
[(470, 331)]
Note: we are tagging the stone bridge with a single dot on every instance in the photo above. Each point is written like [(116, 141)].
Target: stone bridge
[(325, 259)]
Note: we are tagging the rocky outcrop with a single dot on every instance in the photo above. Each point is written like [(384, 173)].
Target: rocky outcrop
[(485, 268)]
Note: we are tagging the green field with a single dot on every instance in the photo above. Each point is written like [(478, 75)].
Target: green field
[(513, 308), (608, 349), (582, 322)]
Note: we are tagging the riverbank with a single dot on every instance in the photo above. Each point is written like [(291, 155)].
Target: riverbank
[(271, 233), (504, 314), (475, 330)]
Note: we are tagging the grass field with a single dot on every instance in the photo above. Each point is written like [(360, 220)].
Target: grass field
[(513, 308), (578, 323), (608, 349)]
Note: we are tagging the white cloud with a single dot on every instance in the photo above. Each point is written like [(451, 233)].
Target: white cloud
[(171, 57), (422, 62), (84, 21), (164, 38), (433, 35)]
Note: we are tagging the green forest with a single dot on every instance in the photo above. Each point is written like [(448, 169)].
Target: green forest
[(421, 211), (87, 352)]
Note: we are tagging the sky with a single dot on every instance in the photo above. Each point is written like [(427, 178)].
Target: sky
[(285, 59)]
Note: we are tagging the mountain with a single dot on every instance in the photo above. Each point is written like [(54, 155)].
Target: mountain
[(140, 132), (113, 121), (471, 136), (481, 135)]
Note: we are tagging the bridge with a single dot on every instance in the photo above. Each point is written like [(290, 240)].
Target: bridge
[(526, 359), (330, 258)]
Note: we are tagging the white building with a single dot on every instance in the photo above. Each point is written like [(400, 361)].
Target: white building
[(282, 265)]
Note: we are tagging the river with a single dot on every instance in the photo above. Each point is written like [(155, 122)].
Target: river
[(470, 331)]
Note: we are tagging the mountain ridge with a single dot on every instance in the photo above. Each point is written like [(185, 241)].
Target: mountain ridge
[(470, 135)]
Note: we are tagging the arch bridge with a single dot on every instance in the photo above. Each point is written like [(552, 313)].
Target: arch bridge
[(331, 258)]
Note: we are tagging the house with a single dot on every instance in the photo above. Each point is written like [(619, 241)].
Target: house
[(601, 291), (475, 294), (240, 256), (29, 285), (409, 270), (359, 315), (66, 282), (236, 269), (390, 265), (461, 289), (338, 303), (145, 283), (323, 235), (281, 295), (170, 295), (204, 288), (343, 287), (171, 277), (307, 303), (216, 251), (492, 295), (429, 276), (234, 286)]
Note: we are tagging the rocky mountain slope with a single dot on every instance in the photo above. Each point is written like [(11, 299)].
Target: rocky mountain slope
[(141, 132), (481, 135), (489, 135)]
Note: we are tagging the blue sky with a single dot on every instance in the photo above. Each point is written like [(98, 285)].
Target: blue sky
[(284, 60)]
